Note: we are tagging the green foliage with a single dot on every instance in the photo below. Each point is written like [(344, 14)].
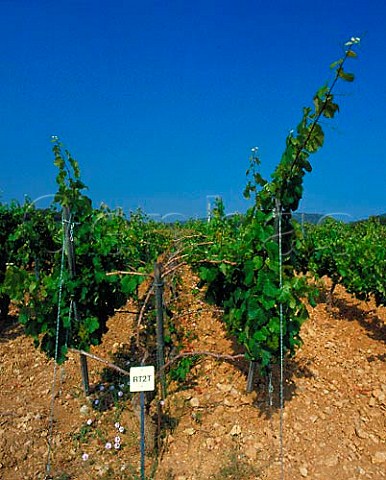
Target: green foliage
[(353, 255), (242, 275), (236, 466), (62, 476), (247, 264), (44, 277), (10, 217), (181, 369)]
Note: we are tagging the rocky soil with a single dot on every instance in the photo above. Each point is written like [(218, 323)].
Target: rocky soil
[(333, 422)]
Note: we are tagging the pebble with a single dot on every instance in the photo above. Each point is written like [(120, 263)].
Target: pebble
[(234, 392), (297, 426), (224, 387), (379, 395), (84, 410), (194, 402), (331, 461), (236, 430), (250, 452), (361, 433), (378, 458), (210, 443), (303, 471)]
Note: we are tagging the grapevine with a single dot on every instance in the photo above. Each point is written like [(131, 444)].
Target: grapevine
[(238, 258), (240, 261), (102, 241), (352, 255)]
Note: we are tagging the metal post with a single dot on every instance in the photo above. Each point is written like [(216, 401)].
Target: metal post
[(251, 376), (142, 400), (84, 372), (71, 266)]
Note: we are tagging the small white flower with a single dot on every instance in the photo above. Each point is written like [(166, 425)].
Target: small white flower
[(162, 403), (101, 388), (112, 387), (85, 457), (117, 439), (108, 446), (121, 429), (120, 393), (89, 421), (117, 446), (96, 402), (353, 41), (117, 425)]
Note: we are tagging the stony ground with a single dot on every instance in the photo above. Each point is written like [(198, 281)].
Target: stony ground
[(334, 419)]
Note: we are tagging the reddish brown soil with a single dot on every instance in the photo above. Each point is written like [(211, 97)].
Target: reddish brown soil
[(334, 420)]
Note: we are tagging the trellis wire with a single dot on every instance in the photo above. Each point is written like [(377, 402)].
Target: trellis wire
[(60, 289), (73, 308), (281, 392), (159, 300)]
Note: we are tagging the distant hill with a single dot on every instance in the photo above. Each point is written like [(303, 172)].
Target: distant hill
[(382, 218), (313, 218)]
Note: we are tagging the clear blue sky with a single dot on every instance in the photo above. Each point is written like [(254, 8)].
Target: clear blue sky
[(161, 101)]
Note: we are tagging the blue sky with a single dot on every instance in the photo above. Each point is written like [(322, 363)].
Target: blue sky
[(162, 101)]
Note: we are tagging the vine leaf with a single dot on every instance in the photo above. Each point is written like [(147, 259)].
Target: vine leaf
[(348, 77)]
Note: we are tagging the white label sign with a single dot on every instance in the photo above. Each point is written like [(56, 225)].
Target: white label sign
[(142, 379)]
